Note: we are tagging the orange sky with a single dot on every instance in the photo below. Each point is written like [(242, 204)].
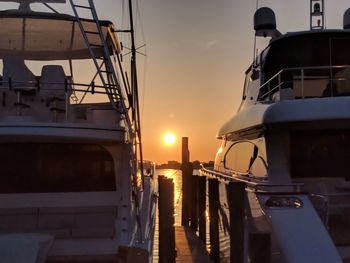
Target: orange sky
[(197, 52)]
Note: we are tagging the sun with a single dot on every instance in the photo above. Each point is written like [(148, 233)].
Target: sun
[(169, 138)]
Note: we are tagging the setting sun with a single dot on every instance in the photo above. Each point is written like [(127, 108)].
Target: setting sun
[(169, 138)]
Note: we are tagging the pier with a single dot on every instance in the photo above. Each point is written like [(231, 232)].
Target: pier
[(189, 249), (209, 226)]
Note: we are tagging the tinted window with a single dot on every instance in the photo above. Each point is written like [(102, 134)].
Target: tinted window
[(35, 168), (246, 157), (320, 153), (239, 156)]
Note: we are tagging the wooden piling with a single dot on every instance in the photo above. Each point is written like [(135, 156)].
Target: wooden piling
[(202, 188), (166, 220), (185, 217), (236, 201), (259, 247), (194, 202), (214, 219)]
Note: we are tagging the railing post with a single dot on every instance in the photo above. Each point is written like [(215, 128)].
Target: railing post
[(279, 84), (202, 189), (214, 219), (302, 83)]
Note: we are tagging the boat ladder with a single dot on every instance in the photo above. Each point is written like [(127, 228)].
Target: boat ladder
[(109, 79)]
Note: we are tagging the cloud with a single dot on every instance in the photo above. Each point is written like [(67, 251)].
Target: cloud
[(209, 44)]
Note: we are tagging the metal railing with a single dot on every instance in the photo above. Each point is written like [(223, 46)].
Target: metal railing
[(289, 76), (61, 92)]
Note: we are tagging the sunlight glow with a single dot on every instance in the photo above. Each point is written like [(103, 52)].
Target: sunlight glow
[(169, 138)]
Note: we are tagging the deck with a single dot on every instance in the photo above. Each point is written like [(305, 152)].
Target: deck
[(190, 249)]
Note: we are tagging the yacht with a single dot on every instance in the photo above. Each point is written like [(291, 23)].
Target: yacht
[(73, 186), (289, 142)]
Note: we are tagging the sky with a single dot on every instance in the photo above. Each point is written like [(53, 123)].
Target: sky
[(192, 78), (198, 51)]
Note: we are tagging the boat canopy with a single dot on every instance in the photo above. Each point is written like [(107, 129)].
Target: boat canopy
[(50, 36)]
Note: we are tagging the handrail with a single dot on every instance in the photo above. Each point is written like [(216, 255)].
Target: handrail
[(254, 184), (302, 75)]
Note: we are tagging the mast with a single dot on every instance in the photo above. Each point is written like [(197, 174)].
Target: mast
[(134, 88), (317, 14)]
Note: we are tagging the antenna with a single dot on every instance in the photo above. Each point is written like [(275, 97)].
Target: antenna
[(317, 14), (254, 48)]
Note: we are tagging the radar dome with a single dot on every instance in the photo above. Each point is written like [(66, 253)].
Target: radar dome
[(346, 21), (265, 23)]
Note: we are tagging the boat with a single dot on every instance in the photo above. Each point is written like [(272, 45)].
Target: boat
[(289, 142), (74, 185)]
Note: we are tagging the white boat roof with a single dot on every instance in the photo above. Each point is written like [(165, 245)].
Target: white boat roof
[(316, 109), (48, 36)]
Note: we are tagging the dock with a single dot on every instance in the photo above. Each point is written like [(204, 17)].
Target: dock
[(189, 248)]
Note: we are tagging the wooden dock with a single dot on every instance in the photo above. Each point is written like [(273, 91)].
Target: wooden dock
[(190, 249)]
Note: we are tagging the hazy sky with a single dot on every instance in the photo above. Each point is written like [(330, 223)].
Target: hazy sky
[(197, 53)]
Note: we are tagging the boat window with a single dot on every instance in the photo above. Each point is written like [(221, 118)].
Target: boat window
[(308, 63), (52, 167), (247, 82), (323, 153), (259, 167), (247, 158)]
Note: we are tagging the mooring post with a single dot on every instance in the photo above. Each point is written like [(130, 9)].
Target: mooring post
[(166, 220), (214, 219), (236, 201), (186, 181), (259, 248), (194, 202), (202, 189)]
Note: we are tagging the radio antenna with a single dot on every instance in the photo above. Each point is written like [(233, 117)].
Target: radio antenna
[(254, 48)]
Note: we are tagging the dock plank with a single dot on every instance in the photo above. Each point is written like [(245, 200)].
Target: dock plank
[(190, 249)]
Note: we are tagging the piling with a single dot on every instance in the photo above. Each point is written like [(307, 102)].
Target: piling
[(202, 185), (259, 247), (214, 219), (185, 167), (166, 220), (194, 202), (236, 201)]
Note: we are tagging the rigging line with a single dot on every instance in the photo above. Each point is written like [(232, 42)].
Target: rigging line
[(144, 63), (51, 8)]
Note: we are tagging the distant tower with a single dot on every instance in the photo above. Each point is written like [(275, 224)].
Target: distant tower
[(316, 14)]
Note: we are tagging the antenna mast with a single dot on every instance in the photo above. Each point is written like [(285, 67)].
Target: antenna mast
[(134, 89), (317, 14)]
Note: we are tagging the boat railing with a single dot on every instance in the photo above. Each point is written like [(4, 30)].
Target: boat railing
[(65, 93), (254, 184), (306, 82)]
